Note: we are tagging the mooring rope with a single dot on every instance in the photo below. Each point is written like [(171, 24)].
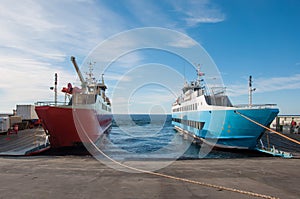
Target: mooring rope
[(181, 179), (269, 129), (187, 180)]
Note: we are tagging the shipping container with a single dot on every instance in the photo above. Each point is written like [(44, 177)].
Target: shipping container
[(26, 112), (14, 120), (4, 124)]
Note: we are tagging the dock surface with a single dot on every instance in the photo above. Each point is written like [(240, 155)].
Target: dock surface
[(85, 177), (25, 142)]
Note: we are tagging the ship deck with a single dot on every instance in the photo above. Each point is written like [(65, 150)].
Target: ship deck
[(25, 142)]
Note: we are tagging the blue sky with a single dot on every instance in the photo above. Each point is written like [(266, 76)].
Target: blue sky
[(258, 38)]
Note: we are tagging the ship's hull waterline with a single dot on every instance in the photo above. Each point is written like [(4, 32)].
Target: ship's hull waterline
[(226, 128)]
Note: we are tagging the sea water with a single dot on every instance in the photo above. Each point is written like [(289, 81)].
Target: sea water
[(153, 137)]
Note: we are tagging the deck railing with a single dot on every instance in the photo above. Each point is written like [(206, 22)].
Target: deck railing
[(255, 105), (50, 103)]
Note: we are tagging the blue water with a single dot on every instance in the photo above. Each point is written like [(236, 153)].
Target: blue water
[(153, 137)]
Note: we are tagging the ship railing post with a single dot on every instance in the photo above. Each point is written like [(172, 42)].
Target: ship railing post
[(55, 90)]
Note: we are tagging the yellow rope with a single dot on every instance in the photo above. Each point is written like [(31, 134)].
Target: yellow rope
[(280, 134), (182, 179), (187, 180)]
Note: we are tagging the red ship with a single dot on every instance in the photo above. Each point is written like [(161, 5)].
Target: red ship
[(83, 119)]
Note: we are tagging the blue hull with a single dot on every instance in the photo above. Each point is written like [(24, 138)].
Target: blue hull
[(226, 128)]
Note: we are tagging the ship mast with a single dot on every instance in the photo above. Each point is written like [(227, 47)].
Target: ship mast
[(55, 89), (250, 91), (199, 76)]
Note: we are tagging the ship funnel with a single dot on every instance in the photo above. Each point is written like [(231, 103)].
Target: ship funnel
[(77, 70)]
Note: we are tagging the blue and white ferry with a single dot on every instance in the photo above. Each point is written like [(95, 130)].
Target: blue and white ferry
[(208, 115)]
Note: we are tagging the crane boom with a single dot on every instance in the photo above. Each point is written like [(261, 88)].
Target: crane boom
[(77, 70)]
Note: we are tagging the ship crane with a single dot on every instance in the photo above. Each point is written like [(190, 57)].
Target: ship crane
[(78, 72)]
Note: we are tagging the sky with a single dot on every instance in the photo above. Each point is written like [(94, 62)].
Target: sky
[(242, 38)]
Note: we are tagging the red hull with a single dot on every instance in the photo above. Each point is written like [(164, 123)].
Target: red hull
[(68, 128)]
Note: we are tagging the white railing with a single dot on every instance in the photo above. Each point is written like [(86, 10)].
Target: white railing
[(255, 105), (50, 103)]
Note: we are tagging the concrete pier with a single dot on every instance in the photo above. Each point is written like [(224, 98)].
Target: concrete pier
[(85, 177)]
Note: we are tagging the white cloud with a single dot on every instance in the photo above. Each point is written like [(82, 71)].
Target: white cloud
[(150, 13), (111, 76), (195, 12), (26, 81), (173, 14), (196, 20), (181, 41), (264, 85), (37, 38)]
